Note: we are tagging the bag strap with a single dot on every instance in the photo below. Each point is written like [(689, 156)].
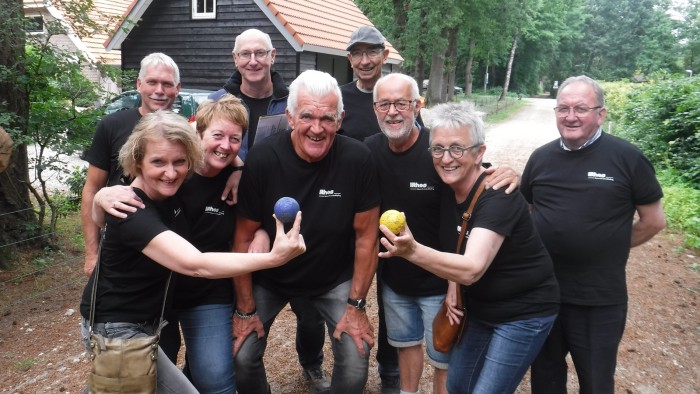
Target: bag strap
[(466, 216), (93, 296)]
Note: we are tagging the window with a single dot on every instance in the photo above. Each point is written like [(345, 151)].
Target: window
[(203, 9), (35, 24)]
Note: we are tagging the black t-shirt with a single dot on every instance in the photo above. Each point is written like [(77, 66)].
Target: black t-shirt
[(111, 134), (583, 207), (256, 108), (330, 192), (409, 183), (519, 284), (360, 120), (211, 223), (131, 286)]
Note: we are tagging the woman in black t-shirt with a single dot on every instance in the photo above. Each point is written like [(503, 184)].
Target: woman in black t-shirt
[(140, 249), (510, 293)]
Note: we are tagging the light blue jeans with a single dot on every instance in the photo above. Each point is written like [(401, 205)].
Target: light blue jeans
[(170, 378), (349, 368), (493, 358), (409, 321), (208, 340)]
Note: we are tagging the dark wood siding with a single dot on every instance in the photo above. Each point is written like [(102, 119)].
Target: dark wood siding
[(202, 48)]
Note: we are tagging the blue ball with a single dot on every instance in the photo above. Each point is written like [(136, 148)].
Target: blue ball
[(286, 209)]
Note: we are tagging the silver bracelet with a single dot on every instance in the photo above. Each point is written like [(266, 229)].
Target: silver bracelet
[(243, 315)]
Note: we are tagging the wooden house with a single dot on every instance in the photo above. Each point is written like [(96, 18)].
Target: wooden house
[(199, 35)]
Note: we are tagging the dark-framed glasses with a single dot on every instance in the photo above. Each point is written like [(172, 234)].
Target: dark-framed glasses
[(400, 105), (259, 55), (563, 111), (456, 151), (372, 53)]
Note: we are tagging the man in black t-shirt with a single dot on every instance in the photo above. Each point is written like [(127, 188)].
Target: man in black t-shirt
[(584, 189), (334, 180), (409, 183), (158, 84), (264, 93)]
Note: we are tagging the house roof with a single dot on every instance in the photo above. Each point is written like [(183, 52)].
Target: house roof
[(328, 34), (297, 20), (104, 12)]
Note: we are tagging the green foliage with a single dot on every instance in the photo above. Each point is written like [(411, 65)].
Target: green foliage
[(25, 364), (682, 207), (663, 119)]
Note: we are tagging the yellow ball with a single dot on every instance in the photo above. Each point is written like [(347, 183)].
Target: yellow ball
[(393, 220)]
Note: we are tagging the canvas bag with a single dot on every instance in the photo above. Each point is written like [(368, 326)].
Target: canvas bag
[(122, 365)]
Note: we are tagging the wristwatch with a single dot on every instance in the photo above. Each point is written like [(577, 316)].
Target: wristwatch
[(359, 303)]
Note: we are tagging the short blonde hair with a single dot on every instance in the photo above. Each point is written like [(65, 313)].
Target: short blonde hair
[(228, 107), (159, 125)]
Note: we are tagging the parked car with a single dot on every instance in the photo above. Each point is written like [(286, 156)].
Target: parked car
[(185, 104), (426, 82)]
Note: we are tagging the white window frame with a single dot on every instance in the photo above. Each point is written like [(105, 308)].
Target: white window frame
[(203, 15)]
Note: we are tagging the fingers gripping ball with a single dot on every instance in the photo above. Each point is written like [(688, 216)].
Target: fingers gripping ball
[(393, 220), (286, 209)]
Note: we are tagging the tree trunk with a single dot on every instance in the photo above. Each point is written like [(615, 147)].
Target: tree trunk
[(17, 223), (437, 68), (450, 65), (400, 20), (468, 78), (509, 69)]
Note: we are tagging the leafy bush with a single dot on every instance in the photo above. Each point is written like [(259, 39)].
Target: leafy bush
[(663, 119), (682, 207)]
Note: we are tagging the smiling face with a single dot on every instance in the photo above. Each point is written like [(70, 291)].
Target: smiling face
[(576, 129), (461, 173), (163, 168), (397, 125), (254, 70), (367, 68), (220, 143), (314, 125), (157, 88)]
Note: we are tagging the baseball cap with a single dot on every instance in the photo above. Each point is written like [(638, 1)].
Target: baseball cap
[(366, 35)]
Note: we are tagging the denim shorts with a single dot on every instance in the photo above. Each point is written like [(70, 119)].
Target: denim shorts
[(409, 321)]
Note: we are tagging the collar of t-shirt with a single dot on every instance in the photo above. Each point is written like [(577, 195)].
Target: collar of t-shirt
[(590, 141)]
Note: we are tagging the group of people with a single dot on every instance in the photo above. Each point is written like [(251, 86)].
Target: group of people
[(541, 269)]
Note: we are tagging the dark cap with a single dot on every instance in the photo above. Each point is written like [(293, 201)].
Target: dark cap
[(366, 35)]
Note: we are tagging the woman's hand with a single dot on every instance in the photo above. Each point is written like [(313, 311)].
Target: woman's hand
[(401, 245), (454, 314), (290, 245)]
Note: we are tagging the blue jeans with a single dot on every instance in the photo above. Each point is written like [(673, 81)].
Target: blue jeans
[(409, 321), (349, 368), (493, 358), (207, 333), (170, 378)]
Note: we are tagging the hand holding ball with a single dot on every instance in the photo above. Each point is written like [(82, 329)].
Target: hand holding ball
[(286, 209), (393, 220)]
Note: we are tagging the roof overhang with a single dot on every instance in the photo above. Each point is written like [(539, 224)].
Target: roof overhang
[(131, 19)]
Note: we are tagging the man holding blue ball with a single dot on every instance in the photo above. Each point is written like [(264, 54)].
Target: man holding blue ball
[(334, 180)]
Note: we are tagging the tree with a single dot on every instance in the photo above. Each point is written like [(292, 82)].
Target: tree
[(42, 91), (18, 220)]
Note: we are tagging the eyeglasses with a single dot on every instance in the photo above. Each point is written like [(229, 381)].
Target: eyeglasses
[(563, 111), (259, 55), (400, 105), (456, 151), (373, 53)]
